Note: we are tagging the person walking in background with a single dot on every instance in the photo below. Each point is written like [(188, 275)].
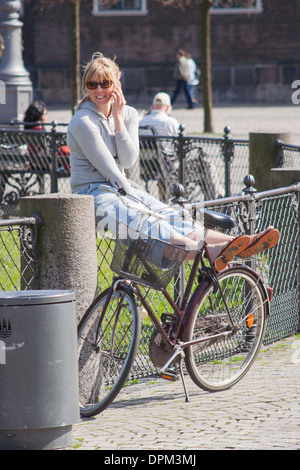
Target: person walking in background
[(193, 79), (182, 76)]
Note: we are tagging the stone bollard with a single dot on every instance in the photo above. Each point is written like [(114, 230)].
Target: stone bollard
[(281, 177), (264, 155), (66, 244)]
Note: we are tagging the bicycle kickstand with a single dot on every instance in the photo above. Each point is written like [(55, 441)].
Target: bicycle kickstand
[(170, 375), (187, 398)]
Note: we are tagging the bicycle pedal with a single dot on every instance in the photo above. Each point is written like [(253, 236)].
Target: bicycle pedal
[(167, 375)]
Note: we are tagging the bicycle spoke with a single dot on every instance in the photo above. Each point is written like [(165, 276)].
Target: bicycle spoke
[(107, 347), (219, 362)]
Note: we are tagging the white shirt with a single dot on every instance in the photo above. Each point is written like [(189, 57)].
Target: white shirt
[(164, 125), (193, 72), (161, 122)]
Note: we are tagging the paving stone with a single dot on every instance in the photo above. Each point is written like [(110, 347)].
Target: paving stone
[(259, 412)]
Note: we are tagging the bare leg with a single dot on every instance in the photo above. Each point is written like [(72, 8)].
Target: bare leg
[(215, 241)]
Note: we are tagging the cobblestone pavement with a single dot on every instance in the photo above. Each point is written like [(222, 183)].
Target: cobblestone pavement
[(260, 412)]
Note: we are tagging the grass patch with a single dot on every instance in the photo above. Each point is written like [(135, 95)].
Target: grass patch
[(10, 260)]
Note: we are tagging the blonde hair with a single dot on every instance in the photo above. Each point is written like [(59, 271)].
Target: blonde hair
[(97, 69)]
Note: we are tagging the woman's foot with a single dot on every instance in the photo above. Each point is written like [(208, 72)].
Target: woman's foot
[(232, 249), (261, 242)]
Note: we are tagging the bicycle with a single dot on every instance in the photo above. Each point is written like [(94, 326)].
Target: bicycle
[(217, 330)]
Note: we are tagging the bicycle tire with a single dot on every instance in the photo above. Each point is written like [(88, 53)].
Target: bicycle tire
[(218, 364), (107, 347)]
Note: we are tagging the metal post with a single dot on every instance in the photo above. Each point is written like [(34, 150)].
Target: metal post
[(178, 191), (249, 181), (228, 152), (181, 154), (280, 154), (14, 78), (54, 184)]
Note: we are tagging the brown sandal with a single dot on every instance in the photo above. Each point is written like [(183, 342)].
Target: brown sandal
[(261, 242), (232, 249)]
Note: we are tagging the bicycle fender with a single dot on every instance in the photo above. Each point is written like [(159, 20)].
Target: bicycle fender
[(264, 288)]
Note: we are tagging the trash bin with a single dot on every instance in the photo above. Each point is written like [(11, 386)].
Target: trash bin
[(38, 369)]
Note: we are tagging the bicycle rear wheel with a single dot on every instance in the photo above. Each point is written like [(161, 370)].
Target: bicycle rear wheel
[(107, 346), (218, 363)]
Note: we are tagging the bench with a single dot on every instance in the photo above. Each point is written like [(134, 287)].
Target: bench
[(25, 161), (159, 162)]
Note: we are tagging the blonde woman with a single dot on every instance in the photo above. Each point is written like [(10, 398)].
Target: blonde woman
[(103, 142)]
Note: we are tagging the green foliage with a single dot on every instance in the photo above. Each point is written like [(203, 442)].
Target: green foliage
[(10, 260)]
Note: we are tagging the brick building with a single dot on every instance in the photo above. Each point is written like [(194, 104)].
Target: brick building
[(255, 52)]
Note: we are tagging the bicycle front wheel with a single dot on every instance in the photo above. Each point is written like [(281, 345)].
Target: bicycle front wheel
[(229, 350), (107, 345)]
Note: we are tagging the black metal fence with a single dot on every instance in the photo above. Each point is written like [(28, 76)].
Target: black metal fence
[(288, 155), (18, 260), (37, 162), (31, 162), (208, 168)]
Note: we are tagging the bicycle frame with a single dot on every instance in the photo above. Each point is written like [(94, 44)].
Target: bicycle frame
[(181, 312), (187, 306)]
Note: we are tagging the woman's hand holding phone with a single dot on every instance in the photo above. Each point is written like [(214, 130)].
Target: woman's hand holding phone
[(118, 102)]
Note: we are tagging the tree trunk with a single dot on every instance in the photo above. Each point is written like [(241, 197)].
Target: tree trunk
[(206, 65), (75, 52)]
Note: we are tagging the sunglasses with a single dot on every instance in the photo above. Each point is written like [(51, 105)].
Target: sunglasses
[(103, 84)]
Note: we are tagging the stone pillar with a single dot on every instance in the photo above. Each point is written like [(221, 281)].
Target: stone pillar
[(66, 244), (281, 177), (263, 156), (15, 84)]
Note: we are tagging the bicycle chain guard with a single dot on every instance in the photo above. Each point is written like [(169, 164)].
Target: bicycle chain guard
[(159, 350)]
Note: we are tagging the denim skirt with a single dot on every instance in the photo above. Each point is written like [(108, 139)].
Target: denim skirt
[(113, 216)]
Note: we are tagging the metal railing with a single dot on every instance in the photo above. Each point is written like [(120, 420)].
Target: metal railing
[(37, 162), (207, 167), (288, 155), (18, 257), (31, 162)]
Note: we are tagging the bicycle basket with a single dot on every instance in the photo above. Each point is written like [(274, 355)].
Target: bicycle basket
[(137, 261)]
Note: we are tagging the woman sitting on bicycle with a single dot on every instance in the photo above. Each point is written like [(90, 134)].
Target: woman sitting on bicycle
[(103, 141)]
